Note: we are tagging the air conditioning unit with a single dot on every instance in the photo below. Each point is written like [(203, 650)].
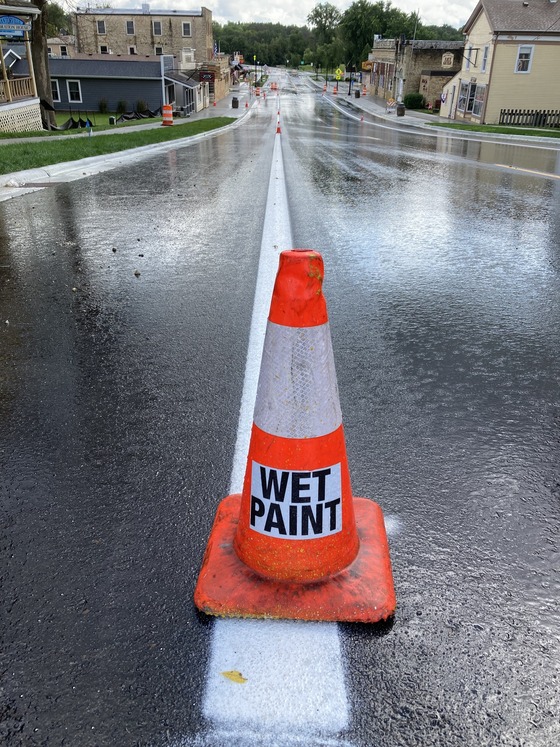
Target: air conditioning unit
[(187, 59)]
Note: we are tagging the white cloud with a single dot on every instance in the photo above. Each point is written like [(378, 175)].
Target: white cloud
[(288, 12)]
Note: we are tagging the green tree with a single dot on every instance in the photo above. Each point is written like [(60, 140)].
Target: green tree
[(57, 19), (39, 54), (324, 19)]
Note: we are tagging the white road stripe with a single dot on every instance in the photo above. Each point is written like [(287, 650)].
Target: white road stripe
[(293, 690)]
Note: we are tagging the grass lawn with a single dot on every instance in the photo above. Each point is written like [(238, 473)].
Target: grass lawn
[(100, 122), (30, 155), (528, 132)]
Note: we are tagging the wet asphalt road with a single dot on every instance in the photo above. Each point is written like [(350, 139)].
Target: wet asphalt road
[(120, 397)]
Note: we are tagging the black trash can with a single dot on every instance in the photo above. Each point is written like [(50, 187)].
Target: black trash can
[(356, 94), (112, 120), (235, 103), (400, 110)]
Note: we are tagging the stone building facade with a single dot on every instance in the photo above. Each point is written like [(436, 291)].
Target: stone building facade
[(127, 31), (401, 66)]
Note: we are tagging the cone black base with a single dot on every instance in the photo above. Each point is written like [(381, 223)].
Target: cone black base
[(363, 592)]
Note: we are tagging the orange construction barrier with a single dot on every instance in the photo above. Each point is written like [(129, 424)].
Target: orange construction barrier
[(167, 114), (335, 89), (295, 544), (364, 91)]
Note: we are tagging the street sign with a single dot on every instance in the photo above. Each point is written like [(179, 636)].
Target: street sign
[(338, 72), (13, 27)]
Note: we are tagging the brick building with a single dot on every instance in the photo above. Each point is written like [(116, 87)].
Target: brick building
[(401, 66), (142, 31)]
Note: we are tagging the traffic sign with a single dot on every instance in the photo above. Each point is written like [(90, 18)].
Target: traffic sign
[(338, 71)]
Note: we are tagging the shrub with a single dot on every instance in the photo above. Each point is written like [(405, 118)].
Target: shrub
[(103, 106), (414, 101), (122, 107), (141, 106)]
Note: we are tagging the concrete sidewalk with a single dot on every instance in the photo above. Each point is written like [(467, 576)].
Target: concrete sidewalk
[(23, 182), (377, 107)]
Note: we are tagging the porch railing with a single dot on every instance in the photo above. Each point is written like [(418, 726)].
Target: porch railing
[(530, 117), (15, 89)]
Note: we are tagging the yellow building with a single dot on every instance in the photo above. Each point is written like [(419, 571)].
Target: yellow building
[(511, 63)]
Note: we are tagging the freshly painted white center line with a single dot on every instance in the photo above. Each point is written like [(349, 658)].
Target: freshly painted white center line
[(283, 681)]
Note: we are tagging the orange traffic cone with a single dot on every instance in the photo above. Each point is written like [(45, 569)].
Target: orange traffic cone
[(246, 105), (324, 87), (295, 544), (364, 91), (278, 130), (335, 89)]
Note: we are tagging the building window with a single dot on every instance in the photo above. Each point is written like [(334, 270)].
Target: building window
[(101, 27), (158, 50), (463, 95), (49, 50), (484, 59), (156, 25), (130, 28), (55, 89), (74, 91), (103, 49), (524, 59), (468, 58), (186, 29), (132, 50), (478, 102)]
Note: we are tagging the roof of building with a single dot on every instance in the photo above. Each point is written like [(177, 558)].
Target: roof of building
[(19, 6), (142, 11), (518, 16), (435, 44), (105, 66)]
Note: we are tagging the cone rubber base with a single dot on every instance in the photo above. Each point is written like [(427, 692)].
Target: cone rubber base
[(363, 592)]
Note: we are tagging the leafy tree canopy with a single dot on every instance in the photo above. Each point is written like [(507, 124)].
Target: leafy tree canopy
[(57, 20), (331, 35)]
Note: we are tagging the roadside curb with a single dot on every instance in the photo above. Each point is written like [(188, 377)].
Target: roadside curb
[(20, 183), (429, 125)]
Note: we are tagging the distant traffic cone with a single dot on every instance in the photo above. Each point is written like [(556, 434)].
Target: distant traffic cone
[(214, 103), (295, 544), (324, 87), (335, 89), (278, 130), (364, 90), (246, 105)]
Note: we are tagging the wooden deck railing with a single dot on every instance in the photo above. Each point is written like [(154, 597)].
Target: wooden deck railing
[(16, 89)]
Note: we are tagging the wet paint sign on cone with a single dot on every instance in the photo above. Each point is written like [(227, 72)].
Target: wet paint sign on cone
[(296, 543)]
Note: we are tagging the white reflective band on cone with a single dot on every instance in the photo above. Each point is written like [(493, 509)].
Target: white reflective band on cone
[(297, 394)]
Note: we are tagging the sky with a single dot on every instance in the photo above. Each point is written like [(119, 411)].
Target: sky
[(295, 12)]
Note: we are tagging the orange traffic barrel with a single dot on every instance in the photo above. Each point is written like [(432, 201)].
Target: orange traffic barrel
[(167, 114), (296, 543)]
